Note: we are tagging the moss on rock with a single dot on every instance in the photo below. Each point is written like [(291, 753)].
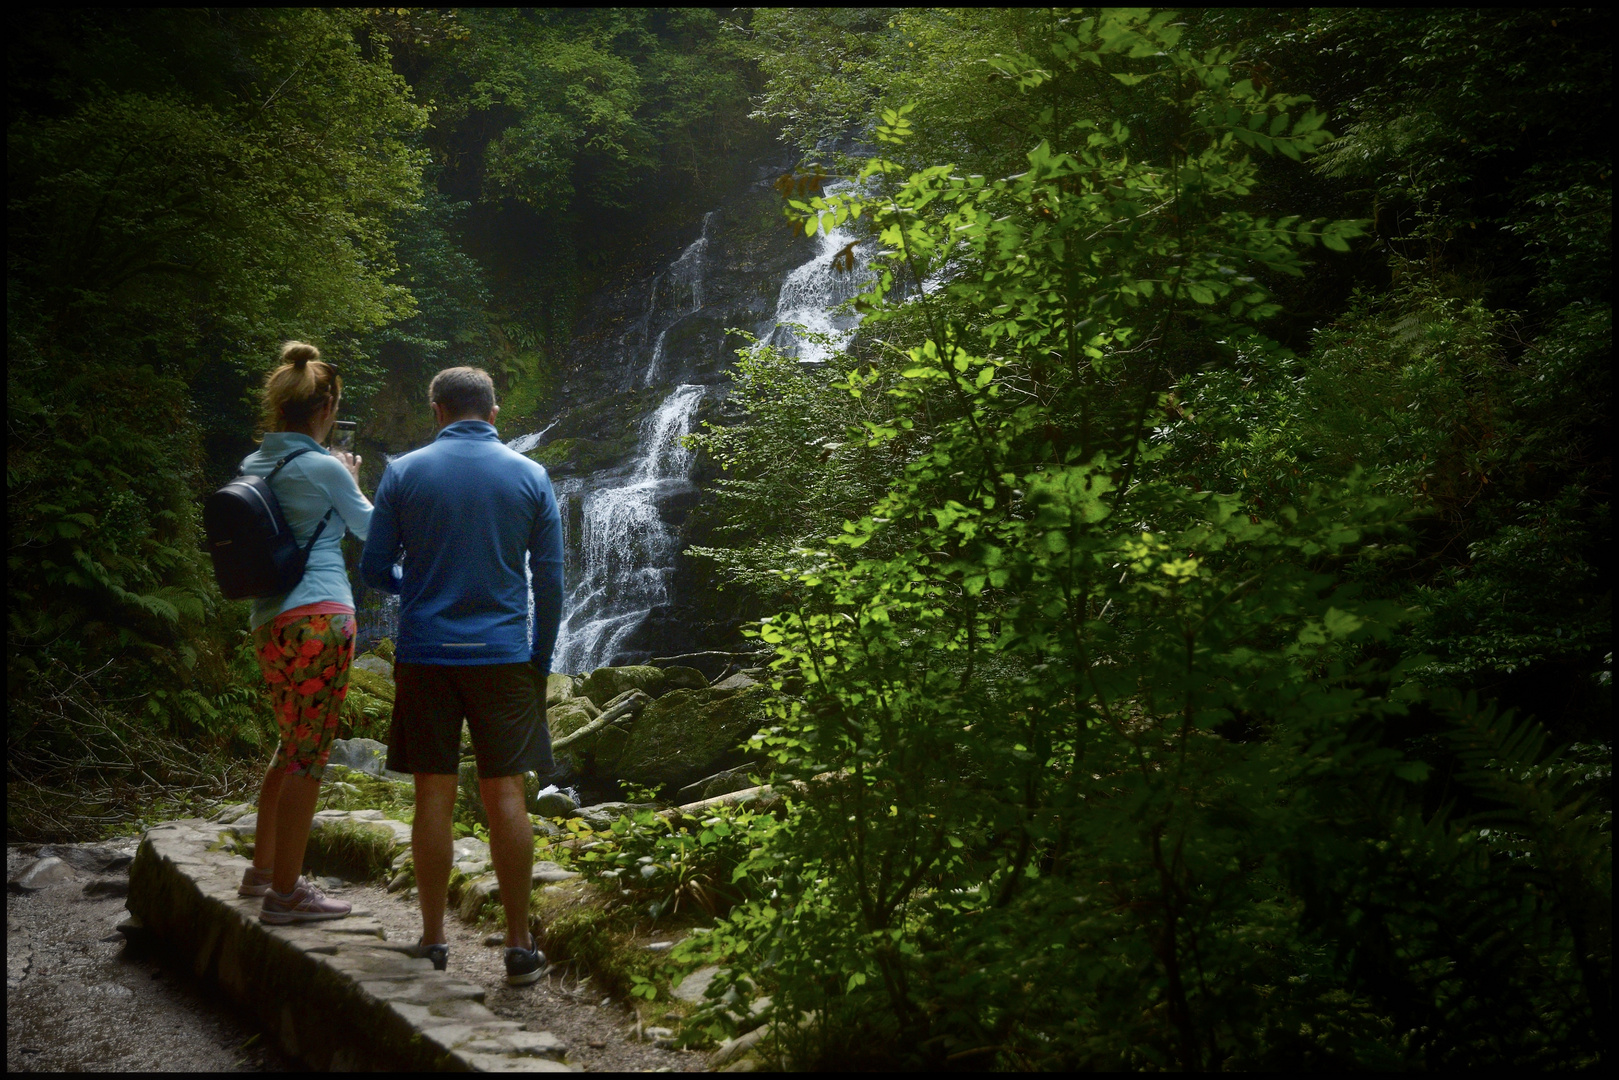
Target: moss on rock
[(570, 716), (363, 850), (686, 735), (605, 684), (559, 688)]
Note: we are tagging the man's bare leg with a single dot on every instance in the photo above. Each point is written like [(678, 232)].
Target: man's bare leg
[(511, 846), (433, 850)]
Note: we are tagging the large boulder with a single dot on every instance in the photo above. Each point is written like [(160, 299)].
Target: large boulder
[(559, 688), (569, 716), (368, 704), (364, 755), (676, 677), (686, 735), (604, 684), (740, 681), (596, 754)]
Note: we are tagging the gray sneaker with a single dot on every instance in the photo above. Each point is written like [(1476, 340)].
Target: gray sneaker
[(255, 882), (305, 903)]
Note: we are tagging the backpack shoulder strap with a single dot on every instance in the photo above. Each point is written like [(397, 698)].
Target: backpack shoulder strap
[(318, 528), (283, 462)]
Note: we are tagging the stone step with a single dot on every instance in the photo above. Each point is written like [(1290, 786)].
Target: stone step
[(337, 995)]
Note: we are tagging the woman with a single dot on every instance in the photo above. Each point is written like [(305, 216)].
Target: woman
[(304, 639)]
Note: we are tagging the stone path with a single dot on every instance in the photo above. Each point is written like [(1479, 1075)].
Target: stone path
[(346, 994), (336, 995), (600, 1034), (83, 996)]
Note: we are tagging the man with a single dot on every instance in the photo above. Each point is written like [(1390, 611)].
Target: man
[(463, 511)]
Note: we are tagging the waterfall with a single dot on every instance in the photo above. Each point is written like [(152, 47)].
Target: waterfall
[(524, 443), (622, 524), (626, 549), (686, 273), (814, 289)]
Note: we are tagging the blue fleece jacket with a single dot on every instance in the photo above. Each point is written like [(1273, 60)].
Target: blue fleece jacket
[(463, 512)]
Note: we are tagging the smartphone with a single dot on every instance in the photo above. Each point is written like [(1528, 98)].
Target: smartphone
[(343, 432)]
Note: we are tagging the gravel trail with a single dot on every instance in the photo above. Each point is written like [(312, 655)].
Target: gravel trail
[(80, 998), (601, 1035)]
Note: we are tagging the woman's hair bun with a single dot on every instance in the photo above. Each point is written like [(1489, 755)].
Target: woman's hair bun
[(297, 353)]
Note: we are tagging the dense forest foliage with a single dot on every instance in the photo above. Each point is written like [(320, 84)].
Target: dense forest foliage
[(187, 188), (1190, 589), (1221, 463)]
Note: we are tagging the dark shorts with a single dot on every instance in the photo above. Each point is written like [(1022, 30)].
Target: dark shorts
[(503, 705)]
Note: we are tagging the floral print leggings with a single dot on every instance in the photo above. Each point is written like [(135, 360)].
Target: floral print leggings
[(305, 662)]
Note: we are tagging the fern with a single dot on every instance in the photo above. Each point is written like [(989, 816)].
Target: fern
[(1565, 839)]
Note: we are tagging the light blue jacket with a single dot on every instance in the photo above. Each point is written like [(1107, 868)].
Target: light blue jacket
[(309, 486), (472, 521)]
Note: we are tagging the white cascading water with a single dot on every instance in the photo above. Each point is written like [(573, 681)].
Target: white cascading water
[(687, 275), (627, 550), (813, 290), (621, 564), (524, 443)]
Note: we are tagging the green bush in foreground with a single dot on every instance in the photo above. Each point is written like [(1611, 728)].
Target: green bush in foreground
[(1115, 772)]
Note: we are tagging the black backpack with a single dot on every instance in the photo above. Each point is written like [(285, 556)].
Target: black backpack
[(252, 545)]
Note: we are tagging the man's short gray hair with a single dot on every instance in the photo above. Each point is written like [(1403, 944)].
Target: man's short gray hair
[(463, 392)]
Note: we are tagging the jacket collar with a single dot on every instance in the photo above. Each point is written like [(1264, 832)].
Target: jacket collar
[(468, 429), (279, 443)]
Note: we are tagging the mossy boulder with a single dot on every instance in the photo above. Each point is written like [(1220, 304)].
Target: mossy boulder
[(570, 715), (559, 688), (595, 755), (686, 735), (368, 704), (355, 847), (676, 677), (604, 684)]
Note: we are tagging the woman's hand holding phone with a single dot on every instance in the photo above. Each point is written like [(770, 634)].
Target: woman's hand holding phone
[(342, 439)]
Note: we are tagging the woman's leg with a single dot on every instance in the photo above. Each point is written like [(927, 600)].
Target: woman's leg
[(294, 813), (269, 810), (317, 651), (273, 668)]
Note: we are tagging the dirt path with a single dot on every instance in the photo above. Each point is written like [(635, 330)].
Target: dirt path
[(601, 1035), (79, 997)]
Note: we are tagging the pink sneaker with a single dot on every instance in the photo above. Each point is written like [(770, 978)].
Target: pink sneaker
[(255, 882), (305, 903)]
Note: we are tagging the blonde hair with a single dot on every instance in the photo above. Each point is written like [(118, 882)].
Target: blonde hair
[(300, 388)]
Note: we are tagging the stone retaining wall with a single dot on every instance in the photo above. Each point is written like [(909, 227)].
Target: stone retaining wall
[(336, 994)]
